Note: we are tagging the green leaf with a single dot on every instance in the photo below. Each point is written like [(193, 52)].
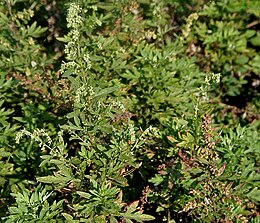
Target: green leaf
[(57, 162), (84, 194), (68, 217), (77, 121), (106, 91), (255, 40), (35, 32), (4, 153), (249, 33), (64, 39), (113, 220), (44, 210), (158, 179), (53, 179), (254, 195), (255, 220), (132, 207), (138, 216), (242, 59), (145, 217)]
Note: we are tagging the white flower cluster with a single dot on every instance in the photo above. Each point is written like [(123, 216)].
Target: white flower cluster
[(73, 48), (216, 77), (69, 65), (98, 22), (82, 93), (150, 34), (117, 104), (196, 111), (36, 135), (100, 46), (151, 131), (74, 21), (131, 130), (187, 29), (60, 136), (87, 61), (156, 8), (93, 7), (73, 18), (209, 79)]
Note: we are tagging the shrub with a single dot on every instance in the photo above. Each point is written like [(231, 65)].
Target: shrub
[(225, 38), (129, 128)]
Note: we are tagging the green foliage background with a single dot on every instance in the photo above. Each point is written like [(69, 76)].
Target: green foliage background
[(129, 111)]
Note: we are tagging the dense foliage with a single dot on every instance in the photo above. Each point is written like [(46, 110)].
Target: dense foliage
[(129, 111)]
